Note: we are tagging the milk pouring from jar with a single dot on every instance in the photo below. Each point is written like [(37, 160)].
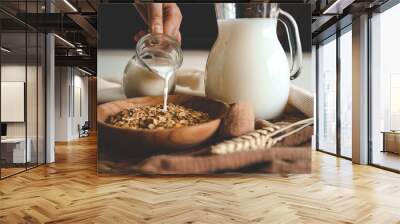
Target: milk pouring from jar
[(152, 69), (165, 68), (247, 61)]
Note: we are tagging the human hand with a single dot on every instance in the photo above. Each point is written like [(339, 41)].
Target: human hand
[(160, 18)]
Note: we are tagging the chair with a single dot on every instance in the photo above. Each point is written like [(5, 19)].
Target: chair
[(84, 130)]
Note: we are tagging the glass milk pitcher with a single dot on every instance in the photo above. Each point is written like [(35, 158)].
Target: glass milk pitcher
[(153, 67), (247, 61)]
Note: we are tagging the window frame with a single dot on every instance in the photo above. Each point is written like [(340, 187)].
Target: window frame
[(333, 37)]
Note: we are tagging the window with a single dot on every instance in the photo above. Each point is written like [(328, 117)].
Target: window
[(346, 95), (385, 89), (327, 96), (22, 77), (334, 106)]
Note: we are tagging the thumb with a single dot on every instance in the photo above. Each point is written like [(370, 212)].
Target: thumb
[(156, 18)]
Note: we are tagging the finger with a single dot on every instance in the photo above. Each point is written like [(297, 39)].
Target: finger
[(156, 18), (178, 36), (172, 18)]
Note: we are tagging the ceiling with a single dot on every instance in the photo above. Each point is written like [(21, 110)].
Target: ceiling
[(72, 20)]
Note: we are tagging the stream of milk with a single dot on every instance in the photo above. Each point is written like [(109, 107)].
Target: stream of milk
[(165, 69)]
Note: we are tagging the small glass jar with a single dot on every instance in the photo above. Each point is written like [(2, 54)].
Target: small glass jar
[(139, 76)]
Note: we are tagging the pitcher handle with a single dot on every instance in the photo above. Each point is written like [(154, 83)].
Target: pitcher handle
[(296, 56)]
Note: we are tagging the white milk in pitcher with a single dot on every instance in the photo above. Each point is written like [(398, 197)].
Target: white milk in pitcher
[(247, 62)]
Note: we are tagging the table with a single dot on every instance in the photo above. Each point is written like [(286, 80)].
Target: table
[(391, 141), (13, 150)]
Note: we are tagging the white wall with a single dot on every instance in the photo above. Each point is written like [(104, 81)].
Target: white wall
[(62, 83), (70, 81), (79, 117), (15, 72), (34, 125)]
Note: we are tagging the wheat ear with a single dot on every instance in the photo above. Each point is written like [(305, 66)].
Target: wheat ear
[(265, 137)]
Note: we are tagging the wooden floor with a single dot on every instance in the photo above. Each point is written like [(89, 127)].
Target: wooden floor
[(5, 172), (70, 191), (386, 159)]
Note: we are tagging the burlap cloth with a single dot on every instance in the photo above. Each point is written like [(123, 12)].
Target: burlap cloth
[(291, 155)]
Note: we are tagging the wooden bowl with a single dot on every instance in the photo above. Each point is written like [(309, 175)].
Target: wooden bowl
[(142, 142)]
